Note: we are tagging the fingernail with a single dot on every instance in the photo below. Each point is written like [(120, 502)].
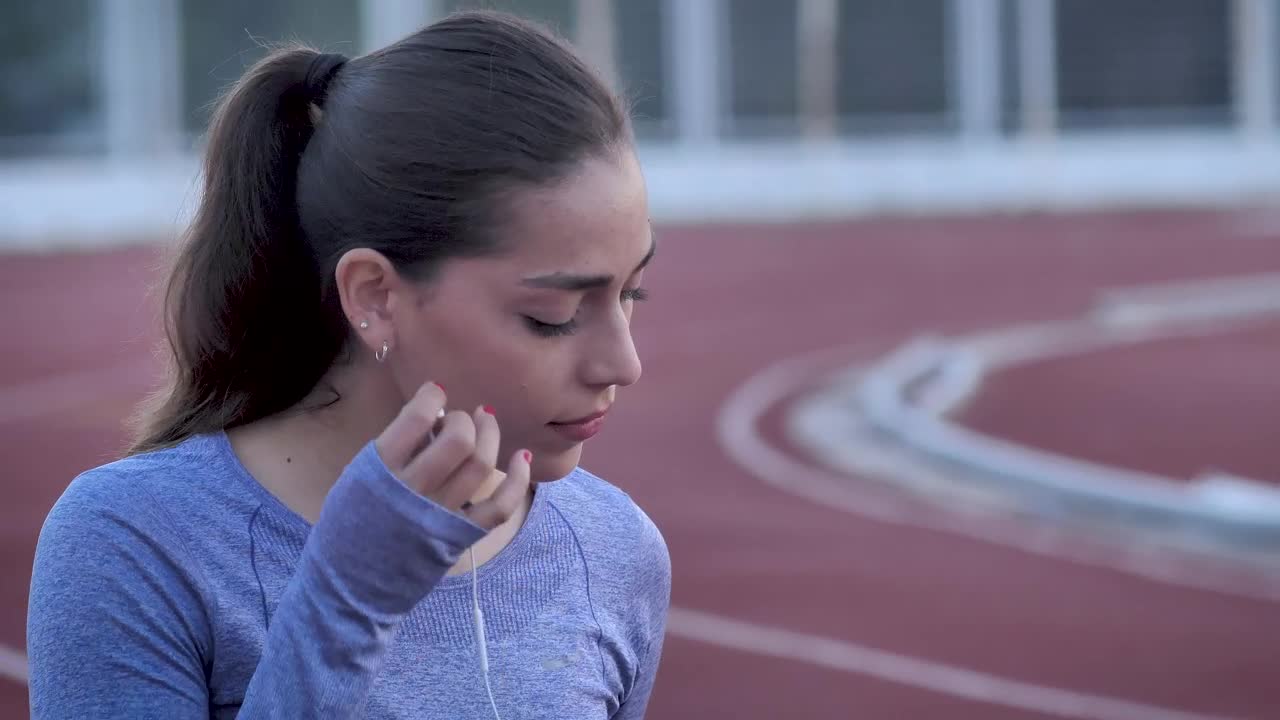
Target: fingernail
[(528, 456), (489, 409)]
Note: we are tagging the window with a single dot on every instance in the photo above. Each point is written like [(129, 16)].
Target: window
[(891, 62), (1143, 63), (642, 63), (892, 59), (220, 40), (762, 58), (49, 91)]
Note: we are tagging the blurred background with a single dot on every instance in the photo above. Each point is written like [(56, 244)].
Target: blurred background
[(960, 394)]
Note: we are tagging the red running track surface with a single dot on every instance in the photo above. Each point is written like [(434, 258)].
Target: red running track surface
[(728, 303), (1177, 407)]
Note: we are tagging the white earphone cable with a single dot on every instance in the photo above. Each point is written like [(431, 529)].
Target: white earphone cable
[(479, 629)]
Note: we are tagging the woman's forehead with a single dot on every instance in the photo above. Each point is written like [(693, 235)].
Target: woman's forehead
[(599, 214)]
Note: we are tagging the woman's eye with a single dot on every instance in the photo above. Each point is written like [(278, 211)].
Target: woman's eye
[(550, 329), (546, 329)]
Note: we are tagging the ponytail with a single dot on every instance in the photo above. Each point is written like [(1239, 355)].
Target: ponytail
[(249, 331)]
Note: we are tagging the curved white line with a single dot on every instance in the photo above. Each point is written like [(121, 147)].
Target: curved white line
[(945, 373), (736, 430), (909, 671), (13, 665)]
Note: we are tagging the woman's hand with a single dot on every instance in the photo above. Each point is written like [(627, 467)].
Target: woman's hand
[(450, 459)]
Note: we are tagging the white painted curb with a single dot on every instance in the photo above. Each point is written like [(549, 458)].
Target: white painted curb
[(909, 393)]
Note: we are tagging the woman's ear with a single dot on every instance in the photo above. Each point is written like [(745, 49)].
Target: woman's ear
[(367, 285)]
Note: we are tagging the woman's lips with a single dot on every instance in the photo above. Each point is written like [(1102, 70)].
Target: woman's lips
[(581, 429)]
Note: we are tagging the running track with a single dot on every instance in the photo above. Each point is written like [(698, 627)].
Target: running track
[(834, 615)]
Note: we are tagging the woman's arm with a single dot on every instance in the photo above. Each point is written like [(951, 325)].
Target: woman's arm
[(649, 600), (118, 626), (637, 702), (377, 550)]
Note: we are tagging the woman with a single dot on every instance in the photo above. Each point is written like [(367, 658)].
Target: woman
[(455, 221)]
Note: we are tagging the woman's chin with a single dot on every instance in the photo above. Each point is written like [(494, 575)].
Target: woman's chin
[(553, 465)]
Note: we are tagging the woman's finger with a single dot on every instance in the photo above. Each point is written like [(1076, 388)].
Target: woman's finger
[(408, 431), (466, 483), (499, 507), (452, 447), (476, 478), (488, 435)]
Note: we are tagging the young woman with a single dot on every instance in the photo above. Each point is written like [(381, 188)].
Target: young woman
[(455, 224)]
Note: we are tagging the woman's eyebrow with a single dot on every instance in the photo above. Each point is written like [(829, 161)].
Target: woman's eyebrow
[(579, 283)]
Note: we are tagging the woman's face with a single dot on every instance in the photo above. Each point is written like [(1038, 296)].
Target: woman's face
[(542, 331)]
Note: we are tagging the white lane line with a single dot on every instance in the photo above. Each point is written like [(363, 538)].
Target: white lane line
[(740, 438), (13, 664), (912, 672)]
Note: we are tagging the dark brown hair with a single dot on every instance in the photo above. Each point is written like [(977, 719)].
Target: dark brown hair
[(406, 150)]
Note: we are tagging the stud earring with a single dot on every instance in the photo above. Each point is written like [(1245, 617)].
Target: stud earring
[(382, 354), (364, 324)]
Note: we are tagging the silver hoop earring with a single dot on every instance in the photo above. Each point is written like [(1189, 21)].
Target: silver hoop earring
[(382, 354)]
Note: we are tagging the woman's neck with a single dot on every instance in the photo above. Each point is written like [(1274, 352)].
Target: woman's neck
[(299, 454)]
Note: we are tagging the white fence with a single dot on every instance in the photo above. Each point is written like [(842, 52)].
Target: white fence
[(757, 109)]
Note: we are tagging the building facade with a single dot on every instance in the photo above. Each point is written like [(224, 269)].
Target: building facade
[(746, 109)]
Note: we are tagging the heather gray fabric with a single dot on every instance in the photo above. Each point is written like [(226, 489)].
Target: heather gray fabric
[(172, 585)]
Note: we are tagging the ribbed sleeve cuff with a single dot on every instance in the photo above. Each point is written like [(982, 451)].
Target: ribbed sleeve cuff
[(381, 545)]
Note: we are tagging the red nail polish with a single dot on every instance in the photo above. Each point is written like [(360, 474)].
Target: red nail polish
[(528, 456), (489, 409), (440, 386)]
